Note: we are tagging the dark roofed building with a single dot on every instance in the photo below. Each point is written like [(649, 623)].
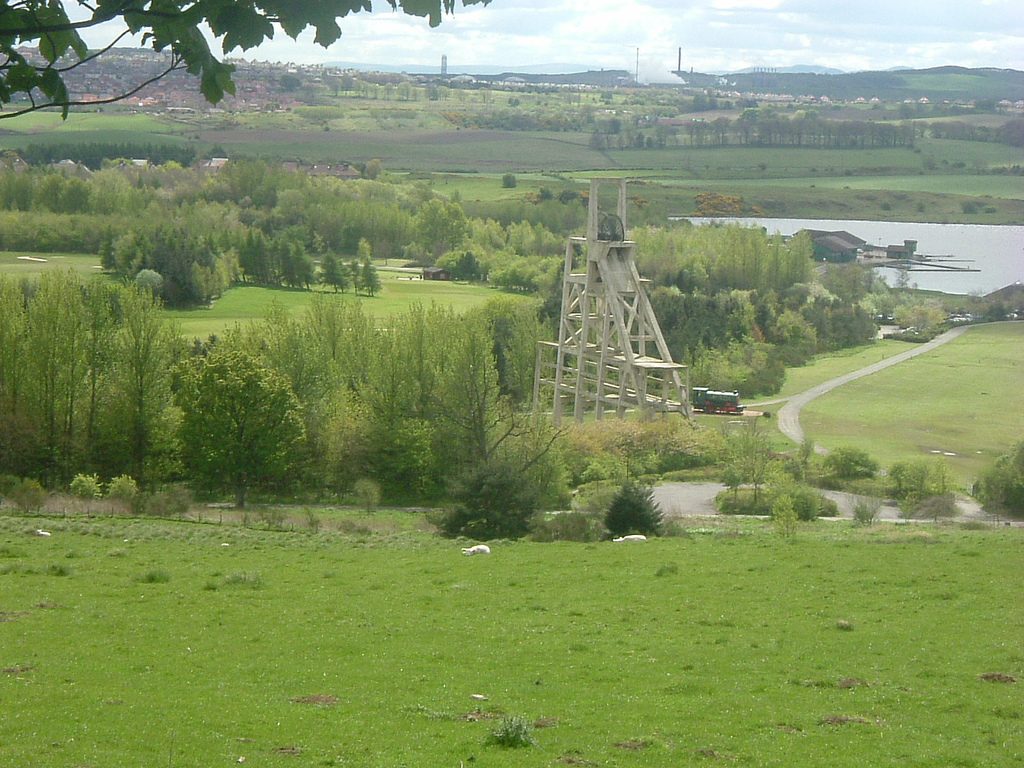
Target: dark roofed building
[(834, 246)]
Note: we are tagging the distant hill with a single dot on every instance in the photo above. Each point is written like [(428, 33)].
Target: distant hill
[(935, 84)]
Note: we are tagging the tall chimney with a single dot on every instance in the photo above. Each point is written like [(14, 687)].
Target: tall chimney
[(679, 66)]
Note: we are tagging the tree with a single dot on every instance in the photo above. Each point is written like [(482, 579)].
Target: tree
[(143, 351), (441, 226), (370, 279), (1001, 487), (240, 422), (179, 27), (751, 455), (333, 272), (848, 463), (633, 510)]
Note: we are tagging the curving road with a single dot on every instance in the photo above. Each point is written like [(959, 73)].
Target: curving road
[(789, 414)]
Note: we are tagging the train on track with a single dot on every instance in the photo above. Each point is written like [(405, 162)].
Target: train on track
[(715, 401)]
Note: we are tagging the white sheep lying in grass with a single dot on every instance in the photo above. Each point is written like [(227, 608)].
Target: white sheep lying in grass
[(632, 537), (477, 549)]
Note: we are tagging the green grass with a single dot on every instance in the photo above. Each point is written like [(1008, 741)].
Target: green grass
[(828, 366), (845, 646), (15, 263), (242, 304), (963, 398)]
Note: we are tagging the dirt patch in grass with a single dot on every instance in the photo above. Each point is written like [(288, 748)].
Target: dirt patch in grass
[(997, 677), (843, 720), (293, 751), (545, 722), (787, 728), (852, 682), (633, 744), (477, 715), (6, 616), (713, 754), (17, 669), (571, 758), (317, 699)]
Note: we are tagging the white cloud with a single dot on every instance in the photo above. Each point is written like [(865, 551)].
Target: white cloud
[(714, 34)]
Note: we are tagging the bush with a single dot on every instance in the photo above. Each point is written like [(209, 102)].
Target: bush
[(312, 520), (865, 510), (849, 463), (491, 502), (7, 484), (513, 732), (122, 488), (807, 503), (508, 181), (272, 517), (173, 501), (86, 487), (28, 495), (633, 510), (568, 526), (784, 516), (367, 493), (934, 507), (741, 502)]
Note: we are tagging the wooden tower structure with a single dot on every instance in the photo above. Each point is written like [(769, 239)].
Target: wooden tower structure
[(610, 354)]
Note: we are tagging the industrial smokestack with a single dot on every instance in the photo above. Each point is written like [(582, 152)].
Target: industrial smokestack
[(679, 66)]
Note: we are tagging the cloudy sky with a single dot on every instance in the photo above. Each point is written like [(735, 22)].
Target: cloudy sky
[(715, 35)]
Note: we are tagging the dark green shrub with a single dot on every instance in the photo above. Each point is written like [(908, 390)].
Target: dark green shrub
[(491, 502), (633, 510), (849, 463), (508, 181)]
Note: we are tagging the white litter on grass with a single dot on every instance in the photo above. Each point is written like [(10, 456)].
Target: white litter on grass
[(478, 697), (225, 544), (32, 258), (41, 532), (478, 549), (948, 453), (631, 537)]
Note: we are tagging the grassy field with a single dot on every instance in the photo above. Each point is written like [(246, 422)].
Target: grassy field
[(828, 366), (244, 303), (964, 398), (159, 643), (24, 264)]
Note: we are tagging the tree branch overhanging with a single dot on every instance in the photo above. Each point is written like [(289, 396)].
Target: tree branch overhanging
[(181, 26)]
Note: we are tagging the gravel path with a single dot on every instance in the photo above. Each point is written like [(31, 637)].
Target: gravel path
[(789, 414)]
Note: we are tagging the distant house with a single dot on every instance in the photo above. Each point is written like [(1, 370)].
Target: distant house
[(71, 168), (436, 273), (905, 251), (835, 246), (214, 163), (337, 170)]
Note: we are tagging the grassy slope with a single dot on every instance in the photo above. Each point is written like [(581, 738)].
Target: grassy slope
[(964, 398), (11, 265), (828, 366), (245, 303), (735, 655)]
